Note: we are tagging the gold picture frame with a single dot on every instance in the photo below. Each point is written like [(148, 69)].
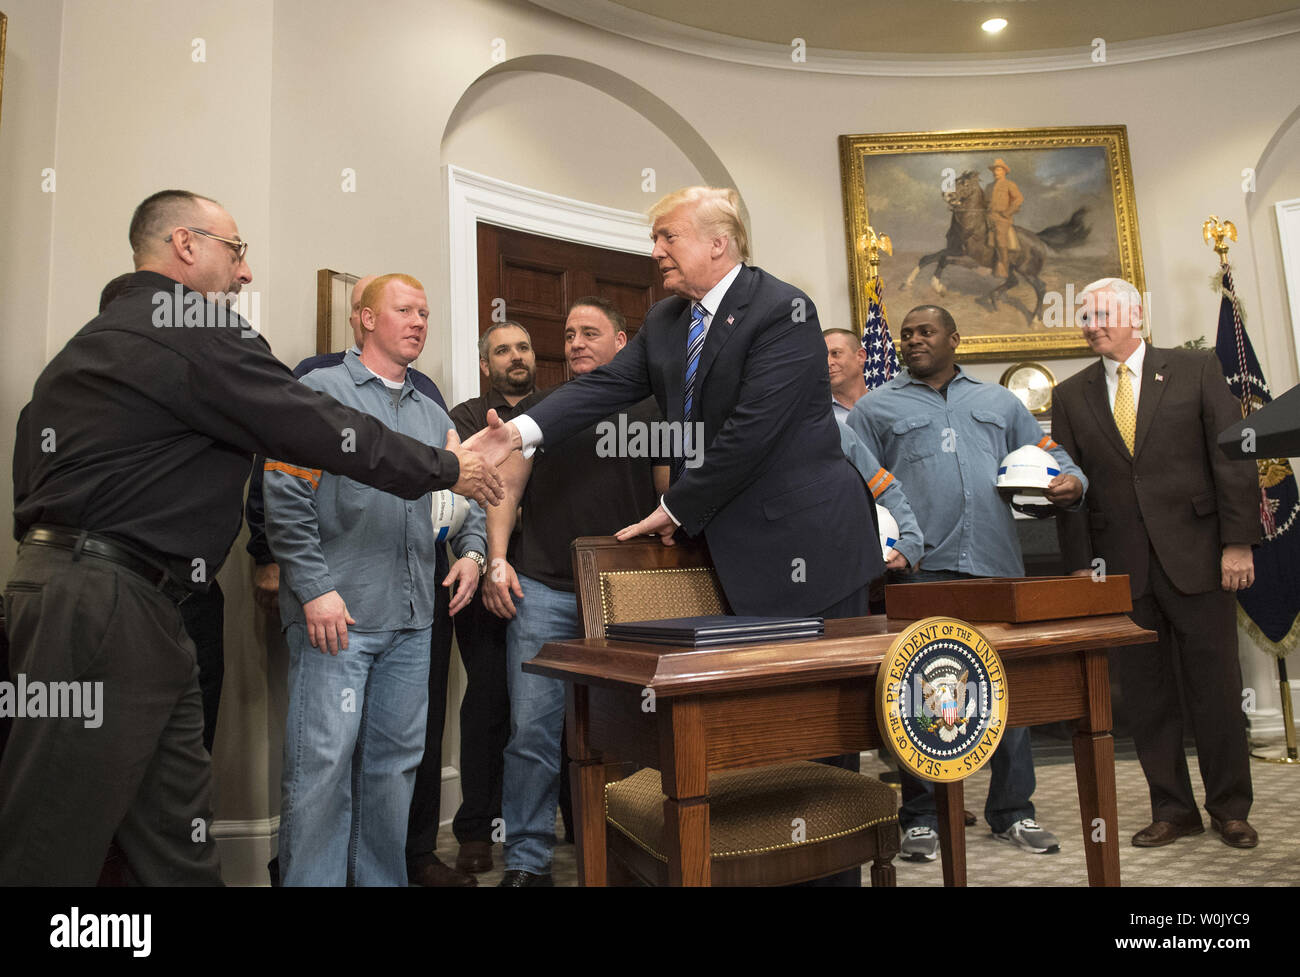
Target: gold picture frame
[(4, 30), (333, 309), (1077, 222)]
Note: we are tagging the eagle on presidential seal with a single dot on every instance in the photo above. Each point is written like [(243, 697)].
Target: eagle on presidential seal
[(947, 710)]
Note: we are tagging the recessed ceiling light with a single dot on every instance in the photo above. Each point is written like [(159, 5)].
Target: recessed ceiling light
[(994, 24)]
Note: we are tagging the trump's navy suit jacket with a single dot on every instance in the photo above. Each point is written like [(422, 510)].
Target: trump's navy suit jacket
[(787, 518)]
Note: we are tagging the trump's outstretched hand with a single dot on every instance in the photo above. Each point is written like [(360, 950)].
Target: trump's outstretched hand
[(479, 479), (497, 440)]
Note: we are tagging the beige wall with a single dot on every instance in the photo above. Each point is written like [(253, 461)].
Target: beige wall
[(295, 91), (27, 128)]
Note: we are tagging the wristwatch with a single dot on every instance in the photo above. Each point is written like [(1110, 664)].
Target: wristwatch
[(478, 558)]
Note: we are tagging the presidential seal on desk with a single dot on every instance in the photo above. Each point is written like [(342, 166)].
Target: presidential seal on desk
[(941, 699)]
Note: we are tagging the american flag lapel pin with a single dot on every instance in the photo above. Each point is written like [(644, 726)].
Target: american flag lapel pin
[(1160, 378)]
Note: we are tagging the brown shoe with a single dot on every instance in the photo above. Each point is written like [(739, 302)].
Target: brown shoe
[(1237, 832), (1160, 833), (431, 872), (475, 857)]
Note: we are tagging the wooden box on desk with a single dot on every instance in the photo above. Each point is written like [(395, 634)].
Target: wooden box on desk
[(1011, 599)]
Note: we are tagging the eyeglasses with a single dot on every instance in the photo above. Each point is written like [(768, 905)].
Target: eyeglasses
[(239, 247)]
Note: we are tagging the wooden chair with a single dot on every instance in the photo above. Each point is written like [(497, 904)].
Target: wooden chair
[(849, 819)]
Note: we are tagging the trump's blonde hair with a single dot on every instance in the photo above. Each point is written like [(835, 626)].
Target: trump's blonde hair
[(716, 213)]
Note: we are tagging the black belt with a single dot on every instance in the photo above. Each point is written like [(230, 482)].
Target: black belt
[(88, 544)]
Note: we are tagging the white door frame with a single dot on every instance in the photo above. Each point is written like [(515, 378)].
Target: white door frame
[(473, 197), (1287, 213)]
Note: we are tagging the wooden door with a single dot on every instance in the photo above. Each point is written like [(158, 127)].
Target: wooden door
[(540, 277)]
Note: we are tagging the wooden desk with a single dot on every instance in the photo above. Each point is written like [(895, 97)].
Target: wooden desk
[(688, 712)]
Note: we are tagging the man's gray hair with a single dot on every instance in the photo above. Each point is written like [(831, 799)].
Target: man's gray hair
[(1124, 291), (485, 340)]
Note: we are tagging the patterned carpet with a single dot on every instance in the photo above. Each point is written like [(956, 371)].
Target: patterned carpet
[(1202, 860)]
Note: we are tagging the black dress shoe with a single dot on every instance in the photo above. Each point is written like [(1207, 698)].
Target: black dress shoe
[(1236, 832), (431, 872), (519, 879), (1160, 833)]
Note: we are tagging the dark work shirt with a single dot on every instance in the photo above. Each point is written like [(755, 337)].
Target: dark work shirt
[(255, 508), (470, 417), (146, 434), (574, 492)]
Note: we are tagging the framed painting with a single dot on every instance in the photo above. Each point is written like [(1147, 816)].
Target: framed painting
[(1002, 227), (333, 308)]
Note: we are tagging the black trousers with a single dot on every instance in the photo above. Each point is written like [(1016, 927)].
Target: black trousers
[(1197, 651), (137, 769), (484, 728), (204, 617)]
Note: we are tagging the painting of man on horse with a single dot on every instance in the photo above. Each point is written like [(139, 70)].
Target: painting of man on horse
[(983, 234)]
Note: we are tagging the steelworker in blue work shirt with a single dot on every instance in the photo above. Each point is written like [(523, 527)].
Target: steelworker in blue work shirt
[(942, 433)]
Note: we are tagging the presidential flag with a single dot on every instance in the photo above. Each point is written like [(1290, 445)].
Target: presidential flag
[(1272, 604), (882, 360)]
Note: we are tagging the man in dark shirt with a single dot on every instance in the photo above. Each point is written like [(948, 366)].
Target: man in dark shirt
[(507, 360), (129, 465), (574, 488)]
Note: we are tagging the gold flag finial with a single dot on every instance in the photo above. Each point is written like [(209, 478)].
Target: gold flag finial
[(1218, 232), (872, 244)]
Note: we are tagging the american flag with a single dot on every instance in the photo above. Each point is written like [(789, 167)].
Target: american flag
[(882, 359)]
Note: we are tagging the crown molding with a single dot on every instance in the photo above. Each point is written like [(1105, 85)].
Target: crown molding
[(617, 19)]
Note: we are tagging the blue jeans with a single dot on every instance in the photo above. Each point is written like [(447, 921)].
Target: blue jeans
[(1011, 767), (354, 737), (531, 780)]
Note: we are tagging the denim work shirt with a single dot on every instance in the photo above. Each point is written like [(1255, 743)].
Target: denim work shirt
[(946, 452), (888, 493), (377, 550)]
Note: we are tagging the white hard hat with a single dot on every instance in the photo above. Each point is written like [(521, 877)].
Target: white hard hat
[(888, 530), (1027, 470), (449, 512)]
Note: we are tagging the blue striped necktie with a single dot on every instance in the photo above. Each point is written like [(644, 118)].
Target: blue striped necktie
[(694, 343)]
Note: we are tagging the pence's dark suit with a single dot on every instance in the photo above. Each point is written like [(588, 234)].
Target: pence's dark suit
[(1163, 516), (787, 518)]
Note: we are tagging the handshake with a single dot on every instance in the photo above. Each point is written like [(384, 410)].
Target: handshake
[(480, 457)]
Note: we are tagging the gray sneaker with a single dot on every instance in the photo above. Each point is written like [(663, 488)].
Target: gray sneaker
[(1028, 835), (920, 845)]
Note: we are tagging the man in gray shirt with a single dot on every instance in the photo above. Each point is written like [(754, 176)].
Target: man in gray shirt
[(358, 686), (943, 434)]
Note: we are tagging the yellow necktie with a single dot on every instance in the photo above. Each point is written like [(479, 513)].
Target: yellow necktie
[(1125, 413)]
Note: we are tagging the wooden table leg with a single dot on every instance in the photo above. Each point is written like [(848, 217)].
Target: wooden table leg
[(587, 787), (1094, 771), (684, 769), (952, 831)]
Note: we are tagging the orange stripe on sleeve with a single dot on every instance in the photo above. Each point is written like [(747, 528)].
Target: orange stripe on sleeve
[(311, 475), (1047, 444), (879, 482)]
